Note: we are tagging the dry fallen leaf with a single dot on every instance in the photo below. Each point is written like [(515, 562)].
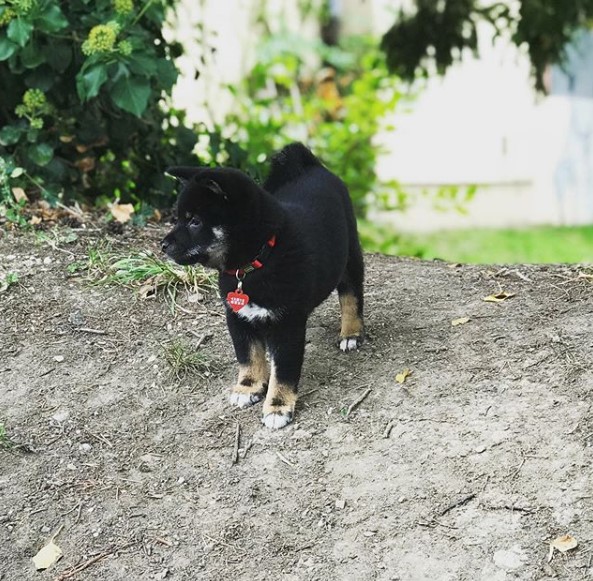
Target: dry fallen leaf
[(564, 543), (35, 220), (461, 321), (401, 377), (19, 195), (122, 212), (498, 297), (47, 556)]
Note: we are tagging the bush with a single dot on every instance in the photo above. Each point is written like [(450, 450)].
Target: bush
[(337, 111), (83, 100)]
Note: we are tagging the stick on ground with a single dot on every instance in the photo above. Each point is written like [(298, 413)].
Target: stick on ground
[(358, 401), (235, 457)]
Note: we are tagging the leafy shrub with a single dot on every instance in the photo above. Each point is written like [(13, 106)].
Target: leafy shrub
[(337, 111), (84, 85)]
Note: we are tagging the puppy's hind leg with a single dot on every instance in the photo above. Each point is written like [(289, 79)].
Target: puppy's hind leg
[(254, 374), (350, 293)]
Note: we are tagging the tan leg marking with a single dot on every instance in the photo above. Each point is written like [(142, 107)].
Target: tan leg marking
[(253, 378), (279, 405), (352, 331)]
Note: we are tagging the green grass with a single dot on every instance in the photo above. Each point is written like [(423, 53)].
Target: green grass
[(142, 271), (535, 245), (5, 441), (185, 360), (487, 246), (7, 280)]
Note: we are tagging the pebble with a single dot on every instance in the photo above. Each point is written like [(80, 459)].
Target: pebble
[(509, 559), (59, 358), (85, 447)]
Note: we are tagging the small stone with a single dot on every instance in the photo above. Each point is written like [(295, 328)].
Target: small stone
[(61, 416), (47, 260), (86, 447), (480, 449), (509, 559), (59, 358), (71, 466), (340, 504)]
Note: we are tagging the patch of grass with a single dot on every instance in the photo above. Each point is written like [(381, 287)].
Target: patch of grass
[(143, 272), (7, 280), (5, 441), (485, 246), (534, 245), (186, 360)]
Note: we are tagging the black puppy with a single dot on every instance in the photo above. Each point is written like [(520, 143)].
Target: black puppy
[(281, 249)]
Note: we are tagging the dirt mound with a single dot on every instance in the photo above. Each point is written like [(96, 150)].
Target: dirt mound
[(465, 471)]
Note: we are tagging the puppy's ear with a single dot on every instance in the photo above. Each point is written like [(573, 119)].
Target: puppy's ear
[(214, 188), (184, 173)]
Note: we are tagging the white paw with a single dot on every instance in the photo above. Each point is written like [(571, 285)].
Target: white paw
[(244, 400), (276, 421), (349, 344)]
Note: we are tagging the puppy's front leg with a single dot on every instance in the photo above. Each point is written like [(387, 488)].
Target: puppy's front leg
[(286, 345), (252, 382)]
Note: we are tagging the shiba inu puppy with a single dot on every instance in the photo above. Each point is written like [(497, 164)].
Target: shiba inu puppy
[(280, 249)]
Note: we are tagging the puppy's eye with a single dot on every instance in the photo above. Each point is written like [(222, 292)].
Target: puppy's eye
[(194, 221)]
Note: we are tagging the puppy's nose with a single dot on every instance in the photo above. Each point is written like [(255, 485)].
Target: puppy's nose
[(165, 244)]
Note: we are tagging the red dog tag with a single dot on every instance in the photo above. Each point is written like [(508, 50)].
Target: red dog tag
[(237, 299)]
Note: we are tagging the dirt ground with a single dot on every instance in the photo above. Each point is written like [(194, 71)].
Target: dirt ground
[(466, 471)]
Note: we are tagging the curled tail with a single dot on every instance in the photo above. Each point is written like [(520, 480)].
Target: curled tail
[(288, 164)]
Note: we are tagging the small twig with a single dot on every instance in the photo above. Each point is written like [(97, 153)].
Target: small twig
[(235, 456), (100, 437), (78, 513), (88, 330), (358, 401), (72, 509), (387, 430), (162, 541), (247, 448), (458, 503), (201, 338), (73, 571), (518, 469), (302, 395), (284, 459)]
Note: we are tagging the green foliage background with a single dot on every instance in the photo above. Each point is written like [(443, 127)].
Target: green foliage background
[(83, 101)]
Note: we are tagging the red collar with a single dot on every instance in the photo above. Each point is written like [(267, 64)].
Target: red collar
[(256, 263)]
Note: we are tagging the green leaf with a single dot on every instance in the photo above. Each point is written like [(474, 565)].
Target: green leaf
[(142, 64), (59, 57), (89, 83), (167, 73), (9, 135), (19, 31), (52, 19), (41, 154), (32, 55), (131, 94), (42, 77), (7, 48)]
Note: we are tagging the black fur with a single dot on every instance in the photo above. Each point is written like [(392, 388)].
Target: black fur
[(224, 221)]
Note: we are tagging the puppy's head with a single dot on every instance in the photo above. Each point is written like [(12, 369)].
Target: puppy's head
[(202, 214), (212, 206)]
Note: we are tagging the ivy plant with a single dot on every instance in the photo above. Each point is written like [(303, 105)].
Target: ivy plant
[(84, 99)]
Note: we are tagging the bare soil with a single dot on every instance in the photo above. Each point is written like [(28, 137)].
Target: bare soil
[(464, 472)]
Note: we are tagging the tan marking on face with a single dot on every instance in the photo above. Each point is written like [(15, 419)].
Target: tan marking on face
[(256, 370), (352, 324)]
